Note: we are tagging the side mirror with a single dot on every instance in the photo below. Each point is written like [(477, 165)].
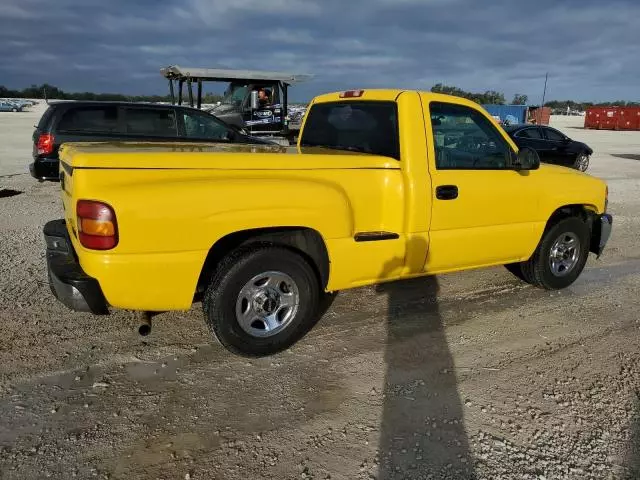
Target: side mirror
[(527, 159), (255, 104)]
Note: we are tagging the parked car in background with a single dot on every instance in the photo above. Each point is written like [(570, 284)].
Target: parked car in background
[(122, 121), (10, 107), (552, 146)]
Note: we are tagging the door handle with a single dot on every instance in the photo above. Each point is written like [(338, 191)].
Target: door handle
[(447, 192)]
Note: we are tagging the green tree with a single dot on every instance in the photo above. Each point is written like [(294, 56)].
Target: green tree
[(520, 99)]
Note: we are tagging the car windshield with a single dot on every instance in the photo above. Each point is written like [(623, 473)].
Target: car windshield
[(235, 94)]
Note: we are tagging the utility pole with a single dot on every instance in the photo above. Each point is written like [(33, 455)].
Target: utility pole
[(544, 93)]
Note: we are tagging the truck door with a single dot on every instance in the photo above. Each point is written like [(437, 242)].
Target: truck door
[(483, 211)]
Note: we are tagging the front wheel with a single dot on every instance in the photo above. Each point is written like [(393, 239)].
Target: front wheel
[(582, 162), (262, 300), (560, 256)]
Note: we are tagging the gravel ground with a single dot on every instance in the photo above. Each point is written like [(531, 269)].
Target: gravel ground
[(472, 375)]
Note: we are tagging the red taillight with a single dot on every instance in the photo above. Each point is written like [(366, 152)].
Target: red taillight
[(351, 94), (97, 227), (45, 144)]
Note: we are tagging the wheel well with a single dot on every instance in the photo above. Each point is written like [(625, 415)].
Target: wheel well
[(581, 211), (305, 241)]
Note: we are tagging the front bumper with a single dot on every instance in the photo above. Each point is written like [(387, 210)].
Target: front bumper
[(68, 282), (45, 169), (600, 233)]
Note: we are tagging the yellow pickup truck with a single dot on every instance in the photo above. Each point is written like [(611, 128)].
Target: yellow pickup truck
[(383, 185)]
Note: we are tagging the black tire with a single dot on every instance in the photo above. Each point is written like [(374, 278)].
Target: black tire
[(581, 163), (235, 272), (14, 110), (537, 270)]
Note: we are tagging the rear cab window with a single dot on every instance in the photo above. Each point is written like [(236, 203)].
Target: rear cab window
[(94, 119), (365, 126)]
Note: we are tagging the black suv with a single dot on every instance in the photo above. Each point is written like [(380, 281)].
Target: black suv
[(121, 121)]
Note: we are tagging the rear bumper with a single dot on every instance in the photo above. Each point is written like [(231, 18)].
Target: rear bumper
[(68, 282), (45, 169), (600, 233)]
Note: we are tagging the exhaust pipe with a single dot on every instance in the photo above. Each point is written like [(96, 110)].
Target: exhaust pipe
[(144, 328)]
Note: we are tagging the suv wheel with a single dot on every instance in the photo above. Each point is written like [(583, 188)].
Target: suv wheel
[(560, 256), (262, 300)]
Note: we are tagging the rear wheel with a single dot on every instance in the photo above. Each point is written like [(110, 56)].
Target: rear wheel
[(560, 256), (262, 300), (582, 162), (14, 109)]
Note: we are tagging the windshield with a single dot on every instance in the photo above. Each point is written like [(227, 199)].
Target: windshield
[(354, 126), (235, 94)]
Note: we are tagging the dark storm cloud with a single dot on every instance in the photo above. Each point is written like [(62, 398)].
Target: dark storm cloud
[(590, 48)]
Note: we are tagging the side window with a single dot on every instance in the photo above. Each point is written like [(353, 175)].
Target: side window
[(205, 127), (553, 135), (530, 133), (465, 140), (151, 121), (90, 120)]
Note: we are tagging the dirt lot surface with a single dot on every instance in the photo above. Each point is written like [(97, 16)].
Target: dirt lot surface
[(471, 375)]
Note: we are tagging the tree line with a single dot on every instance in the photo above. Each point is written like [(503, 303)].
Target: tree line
[(493, 97), (47, 91), (489, 97)]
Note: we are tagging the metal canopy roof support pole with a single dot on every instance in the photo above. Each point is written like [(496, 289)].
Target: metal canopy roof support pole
[(199, 93), (285, 108), (190, 88), (173, 95), (180, 83)]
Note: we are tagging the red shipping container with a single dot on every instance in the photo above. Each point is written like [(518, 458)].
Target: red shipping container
[(629, 118), (541, 116), (613, 118), (592, 117), (609, 119)]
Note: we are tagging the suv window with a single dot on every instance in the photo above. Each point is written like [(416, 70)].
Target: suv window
[(554, 135), (529, 133), (358, 126), (197, 125), (464, 139), (90, 120), (151, 121)]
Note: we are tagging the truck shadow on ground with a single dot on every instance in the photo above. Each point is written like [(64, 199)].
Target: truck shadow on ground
[(422, 431)]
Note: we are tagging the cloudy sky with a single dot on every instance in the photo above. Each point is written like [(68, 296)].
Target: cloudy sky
[(590, 48)]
